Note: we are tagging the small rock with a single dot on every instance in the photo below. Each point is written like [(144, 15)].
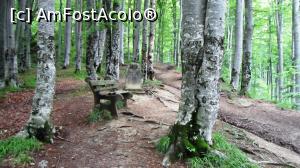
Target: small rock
[(43, 164)]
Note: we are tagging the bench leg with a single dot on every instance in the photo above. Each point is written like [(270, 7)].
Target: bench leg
[(113, 107)]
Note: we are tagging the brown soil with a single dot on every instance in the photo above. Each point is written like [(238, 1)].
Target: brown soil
[(126, 142)]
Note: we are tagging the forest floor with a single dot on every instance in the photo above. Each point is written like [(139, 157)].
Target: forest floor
[(130, 140)]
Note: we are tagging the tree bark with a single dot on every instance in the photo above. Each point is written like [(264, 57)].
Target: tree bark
[(39, 124), (21, 39), (92, 45), (122, 60), (68, 36), (128, 34), (237, 57), (280, 47), (202, 49), (175, 53), (296, 37), (150, 69), (10, 54), (78, 27), (59, 52), (144, 42), (3, 41), (113, 69), (136, 34), (246, 66)]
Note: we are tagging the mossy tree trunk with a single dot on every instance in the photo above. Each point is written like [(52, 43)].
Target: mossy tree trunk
[(136, 34), (144, 43), (78, 30), (150, 57), (39, 124), (68, 36), (202, 49), (3, 46)]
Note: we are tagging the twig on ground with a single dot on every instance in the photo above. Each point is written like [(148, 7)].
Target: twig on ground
[(63, 139)]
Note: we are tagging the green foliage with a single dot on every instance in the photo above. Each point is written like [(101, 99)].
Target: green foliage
[(120, 104), (233, 156), (99, 115), (163, 144), (18, 149)]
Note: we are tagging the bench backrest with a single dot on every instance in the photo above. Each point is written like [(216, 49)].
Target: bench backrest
[(103, 85)]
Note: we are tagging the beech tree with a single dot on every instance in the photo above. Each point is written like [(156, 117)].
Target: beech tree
[(150, 69), (92, 45), (68, 36), (78, 30), (279, 27), (136, 34), (247, 55), (237, 57), (296, 38), (10, 52), (112, 66), (39, 124), (202, 50), (144, 42), (2, 44)]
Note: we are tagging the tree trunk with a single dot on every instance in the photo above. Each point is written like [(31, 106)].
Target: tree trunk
[(246, 66), (136, 34), (237, 57), (144, 43), (11, 56), (296, 30), (202, 49), (68, 36), (122, 61), (28, 36), (128, 34), (113, 69), (280, 48), (3, 41), (78, 27), (175, 54), (92, 44), (150, 69), (39, 124), (59, 52), (21, 39)]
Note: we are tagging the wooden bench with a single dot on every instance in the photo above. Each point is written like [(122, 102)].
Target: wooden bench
[(108, 90)]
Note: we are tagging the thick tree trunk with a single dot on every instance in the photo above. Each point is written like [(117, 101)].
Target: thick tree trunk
[(280, 48), (296, 33), (92, 45), (113, 69), (68, 36), (246, 66), (136, 34), (11, 56), (202, 49), (237, 57), (3, 41), (144, 42), (39, 124), (78, 27)]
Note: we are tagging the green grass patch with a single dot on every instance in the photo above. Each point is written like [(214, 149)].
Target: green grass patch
[(163, 144), (18, 149), (99, 115), (233, 156)]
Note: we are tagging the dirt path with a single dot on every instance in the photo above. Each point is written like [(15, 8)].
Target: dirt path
[(126, 142), (263, 119)]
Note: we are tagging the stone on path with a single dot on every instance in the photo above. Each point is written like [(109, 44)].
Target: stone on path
[(134, 78)]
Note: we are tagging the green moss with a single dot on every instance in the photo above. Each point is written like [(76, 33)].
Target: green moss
[(233, 156), (163, 144), (18, 149), (152, 83), (44, 134)]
